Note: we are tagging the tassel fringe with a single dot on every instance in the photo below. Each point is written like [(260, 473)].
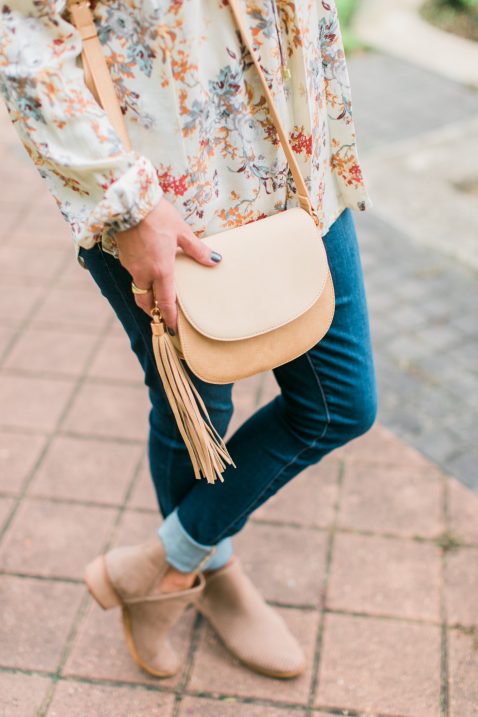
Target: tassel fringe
[(205, 446)]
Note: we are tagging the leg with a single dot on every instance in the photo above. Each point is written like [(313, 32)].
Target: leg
[(328, 397), (319, 409), (144, 579), (169, 461)]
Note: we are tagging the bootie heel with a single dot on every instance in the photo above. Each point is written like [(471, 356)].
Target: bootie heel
[(147, 624), (99, 584), (130, 577)]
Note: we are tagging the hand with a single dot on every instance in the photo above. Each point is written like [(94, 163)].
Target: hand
[(148, 252)]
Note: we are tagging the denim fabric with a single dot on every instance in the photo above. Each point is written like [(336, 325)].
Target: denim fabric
[(185, 553), (327, 397)]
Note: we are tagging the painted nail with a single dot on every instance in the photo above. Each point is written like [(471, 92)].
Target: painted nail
[(171, 331), (215, 256)]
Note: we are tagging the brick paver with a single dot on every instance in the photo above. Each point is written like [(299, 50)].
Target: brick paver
[(6, 506), (370, 490), (16, 304), (36, 620), (463, 652), (370, 556), (461, 586), (462, 512), (383, 576), (385, 666), (270, 552), (202, 707), (33, 403), (313, 494), (45, 351), (112, 361), (109, 410), (40, 542), (142, 494), (71, 467), (135, 527), (18, 454), (79, 700), (22, 695)]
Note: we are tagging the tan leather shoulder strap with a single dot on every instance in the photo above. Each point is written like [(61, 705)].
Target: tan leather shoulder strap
[(97, 74), (303, 193), (98, 80)]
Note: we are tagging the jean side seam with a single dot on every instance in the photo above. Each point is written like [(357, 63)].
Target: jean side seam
[(322, 393), (254, 503)]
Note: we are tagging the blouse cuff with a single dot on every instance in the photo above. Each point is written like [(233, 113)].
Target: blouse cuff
[(123, 205)]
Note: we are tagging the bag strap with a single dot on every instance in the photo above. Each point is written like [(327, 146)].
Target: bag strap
[(98, 80), (302, 191), (97, 74)]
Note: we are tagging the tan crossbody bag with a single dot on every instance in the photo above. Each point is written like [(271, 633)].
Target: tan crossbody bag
[(269, 300)]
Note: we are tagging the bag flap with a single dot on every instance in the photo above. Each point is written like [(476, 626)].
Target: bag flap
[(272, 270)]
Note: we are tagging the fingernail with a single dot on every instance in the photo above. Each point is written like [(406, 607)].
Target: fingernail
[(215, 256), (171, 331)]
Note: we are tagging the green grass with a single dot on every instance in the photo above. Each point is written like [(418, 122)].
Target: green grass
[(457, 16), (346, 10)]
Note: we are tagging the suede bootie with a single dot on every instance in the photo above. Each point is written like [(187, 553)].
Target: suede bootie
[(250, 628), (129, 577)]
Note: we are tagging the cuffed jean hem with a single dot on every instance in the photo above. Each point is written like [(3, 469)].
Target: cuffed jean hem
[(186, 554)]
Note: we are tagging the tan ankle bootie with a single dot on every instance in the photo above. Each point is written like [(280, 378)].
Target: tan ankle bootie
[(252, 630), (129, 577)]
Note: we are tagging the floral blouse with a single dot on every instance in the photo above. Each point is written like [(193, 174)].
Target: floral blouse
[(197, 119)]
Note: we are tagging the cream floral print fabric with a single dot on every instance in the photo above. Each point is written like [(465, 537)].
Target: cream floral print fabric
[(192, 102)]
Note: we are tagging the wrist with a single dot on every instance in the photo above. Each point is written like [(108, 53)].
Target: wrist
[(148, 221), (151, 218)]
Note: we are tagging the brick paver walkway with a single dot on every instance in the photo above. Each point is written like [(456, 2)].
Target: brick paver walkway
[(372, 556), (418, 134)]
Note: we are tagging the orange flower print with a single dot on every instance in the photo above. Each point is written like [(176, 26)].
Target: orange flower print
[(193, 106)]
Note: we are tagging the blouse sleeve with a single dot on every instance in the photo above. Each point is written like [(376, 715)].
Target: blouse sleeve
[(98, 184)]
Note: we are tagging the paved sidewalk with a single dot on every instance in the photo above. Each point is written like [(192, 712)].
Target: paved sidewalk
[(397, 28), (383, 598), (419, 138)]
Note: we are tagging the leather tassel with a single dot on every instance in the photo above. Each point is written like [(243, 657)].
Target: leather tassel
[(205, 446)]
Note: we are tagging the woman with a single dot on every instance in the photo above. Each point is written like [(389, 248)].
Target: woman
[(205, 158)]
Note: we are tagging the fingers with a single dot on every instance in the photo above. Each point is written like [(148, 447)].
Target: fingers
[(198, 249), (165, 295), (150, 259), (144, 301)]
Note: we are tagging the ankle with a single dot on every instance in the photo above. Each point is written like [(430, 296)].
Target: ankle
[(174, 580)]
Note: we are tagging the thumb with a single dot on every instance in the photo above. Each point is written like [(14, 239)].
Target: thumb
[(198, 249)]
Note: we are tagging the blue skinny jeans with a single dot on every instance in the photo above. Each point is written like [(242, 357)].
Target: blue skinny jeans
[(327, 397)]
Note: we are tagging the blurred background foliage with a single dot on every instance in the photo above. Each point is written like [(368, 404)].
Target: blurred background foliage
[(457, 16), (346, 10)]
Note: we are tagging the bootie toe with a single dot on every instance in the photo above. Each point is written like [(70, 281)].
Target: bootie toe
[(250, 628)]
